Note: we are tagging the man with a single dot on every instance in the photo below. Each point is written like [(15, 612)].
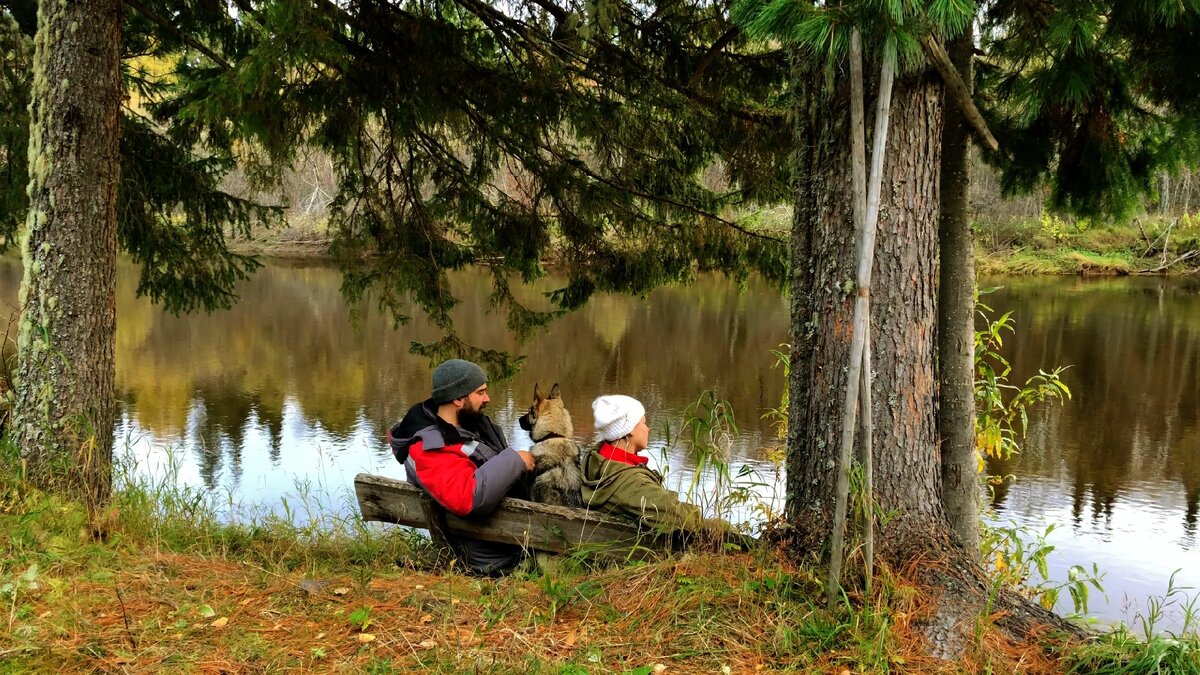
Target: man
[(459, 456)]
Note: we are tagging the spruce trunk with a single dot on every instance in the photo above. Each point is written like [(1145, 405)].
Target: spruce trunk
[(63, 408), (907, 466), (956, 330)]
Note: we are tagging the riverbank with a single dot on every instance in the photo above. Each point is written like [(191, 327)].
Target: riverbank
[(1054, 246), (1049, 246), (158, 582)]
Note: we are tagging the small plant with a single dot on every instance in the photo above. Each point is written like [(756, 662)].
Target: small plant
[(1017, 557), (360, 619), (13, 590), (1002, 409), (561, 592), (1176, 604)]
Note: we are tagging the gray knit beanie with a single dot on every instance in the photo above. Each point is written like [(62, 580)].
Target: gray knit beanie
[(455, 379)]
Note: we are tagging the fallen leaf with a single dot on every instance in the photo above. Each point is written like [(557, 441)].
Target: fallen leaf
[(320, 635), (428, 644), (366, 637), (341, 590), (572, 638), (419, 586), (454, 601), (428, 618), (44, 614), (658, 667), (245, 602), (220, 623)]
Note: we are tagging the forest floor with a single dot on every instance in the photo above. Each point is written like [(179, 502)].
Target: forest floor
[(159, 583)]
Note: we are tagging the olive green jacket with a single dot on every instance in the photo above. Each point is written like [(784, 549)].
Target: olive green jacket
[(637, 492)]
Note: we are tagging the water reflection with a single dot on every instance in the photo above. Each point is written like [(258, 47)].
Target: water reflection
[(291, 389), (291, 377), (1120, 462)]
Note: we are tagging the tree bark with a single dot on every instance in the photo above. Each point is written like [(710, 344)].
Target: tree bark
[(956, 330), (64, 406), (903, 317)]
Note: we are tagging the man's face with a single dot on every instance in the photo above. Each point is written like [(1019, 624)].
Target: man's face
[(475, 402)]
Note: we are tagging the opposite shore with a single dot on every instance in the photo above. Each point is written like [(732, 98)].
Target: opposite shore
[(1048, 246)]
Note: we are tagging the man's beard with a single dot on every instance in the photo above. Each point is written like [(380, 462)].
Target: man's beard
[(469, 417)]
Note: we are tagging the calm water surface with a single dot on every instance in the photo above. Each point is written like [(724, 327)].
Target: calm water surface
[(291, 392)]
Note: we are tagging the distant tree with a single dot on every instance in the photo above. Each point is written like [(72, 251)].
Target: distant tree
[(466, 134)]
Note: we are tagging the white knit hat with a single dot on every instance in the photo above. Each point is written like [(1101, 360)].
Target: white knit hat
[(616, 416)]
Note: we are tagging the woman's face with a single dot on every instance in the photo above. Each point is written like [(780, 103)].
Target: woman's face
[(639, 438)]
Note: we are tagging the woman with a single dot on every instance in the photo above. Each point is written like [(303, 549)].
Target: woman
[(616, 478)]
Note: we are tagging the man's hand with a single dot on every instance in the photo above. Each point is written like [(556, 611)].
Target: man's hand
[(527, 458)]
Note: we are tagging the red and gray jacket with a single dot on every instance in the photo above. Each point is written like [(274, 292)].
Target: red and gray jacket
[(467, 471)]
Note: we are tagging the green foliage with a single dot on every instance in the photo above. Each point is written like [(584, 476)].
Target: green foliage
[(1155, 650), (709, 430), (172, 211), (1017, 559), (1094, 97), (537, 129), (1002, 409), (360, 619), (16, 53), (822, 30)]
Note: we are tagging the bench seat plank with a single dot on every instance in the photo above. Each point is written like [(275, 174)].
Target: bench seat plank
[(544, 527)]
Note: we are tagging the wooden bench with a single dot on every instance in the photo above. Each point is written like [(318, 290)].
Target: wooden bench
[(542, 527)]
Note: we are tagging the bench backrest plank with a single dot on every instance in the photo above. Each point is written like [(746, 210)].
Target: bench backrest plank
[(544, 527)]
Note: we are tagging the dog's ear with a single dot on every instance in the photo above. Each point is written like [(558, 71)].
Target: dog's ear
[(537, 394), (554, 391)]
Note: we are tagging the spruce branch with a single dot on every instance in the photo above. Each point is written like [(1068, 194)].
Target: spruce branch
[(174, 30)]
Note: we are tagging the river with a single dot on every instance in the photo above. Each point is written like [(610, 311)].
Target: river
[(282, 399)]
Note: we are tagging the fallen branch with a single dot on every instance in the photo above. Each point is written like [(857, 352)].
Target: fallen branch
[(1167, 265), (958, 91)]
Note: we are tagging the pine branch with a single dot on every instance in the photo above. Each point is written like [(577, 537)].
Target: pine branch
[(711, 55), (171, 28)]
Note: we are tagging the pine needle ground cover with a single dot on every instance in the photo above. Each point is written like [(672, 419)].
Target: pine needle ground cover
[(157, 583)]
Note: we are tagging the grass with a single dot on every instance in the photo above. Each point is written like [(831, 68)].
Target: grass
[(1053, 246), (166, 578)]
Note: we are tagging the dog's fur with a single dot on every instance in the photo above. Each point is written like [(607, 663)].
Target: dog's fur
[(557, 477)]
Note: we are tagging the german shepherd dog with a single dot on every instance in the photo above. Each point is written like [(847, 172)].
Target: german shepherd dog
[(556, 475)]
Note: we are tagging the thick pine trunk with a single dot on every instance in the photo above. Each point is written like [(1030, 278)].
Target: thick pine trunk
[(64, 401), (903, 318), (956, 331)]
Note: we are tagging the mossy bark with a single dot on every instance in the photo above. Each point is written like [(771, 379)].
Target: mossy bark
[(63, 408), (903, 318), (956, 330)]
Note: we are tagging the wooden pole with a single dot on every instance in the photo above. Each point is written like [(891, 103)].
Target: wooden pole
[(866, 259), (867, 461)]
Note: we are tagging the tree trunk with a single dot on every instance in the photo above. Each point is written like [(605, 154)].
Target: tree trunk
[(956, 329), (63, 410), (903, 317)]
